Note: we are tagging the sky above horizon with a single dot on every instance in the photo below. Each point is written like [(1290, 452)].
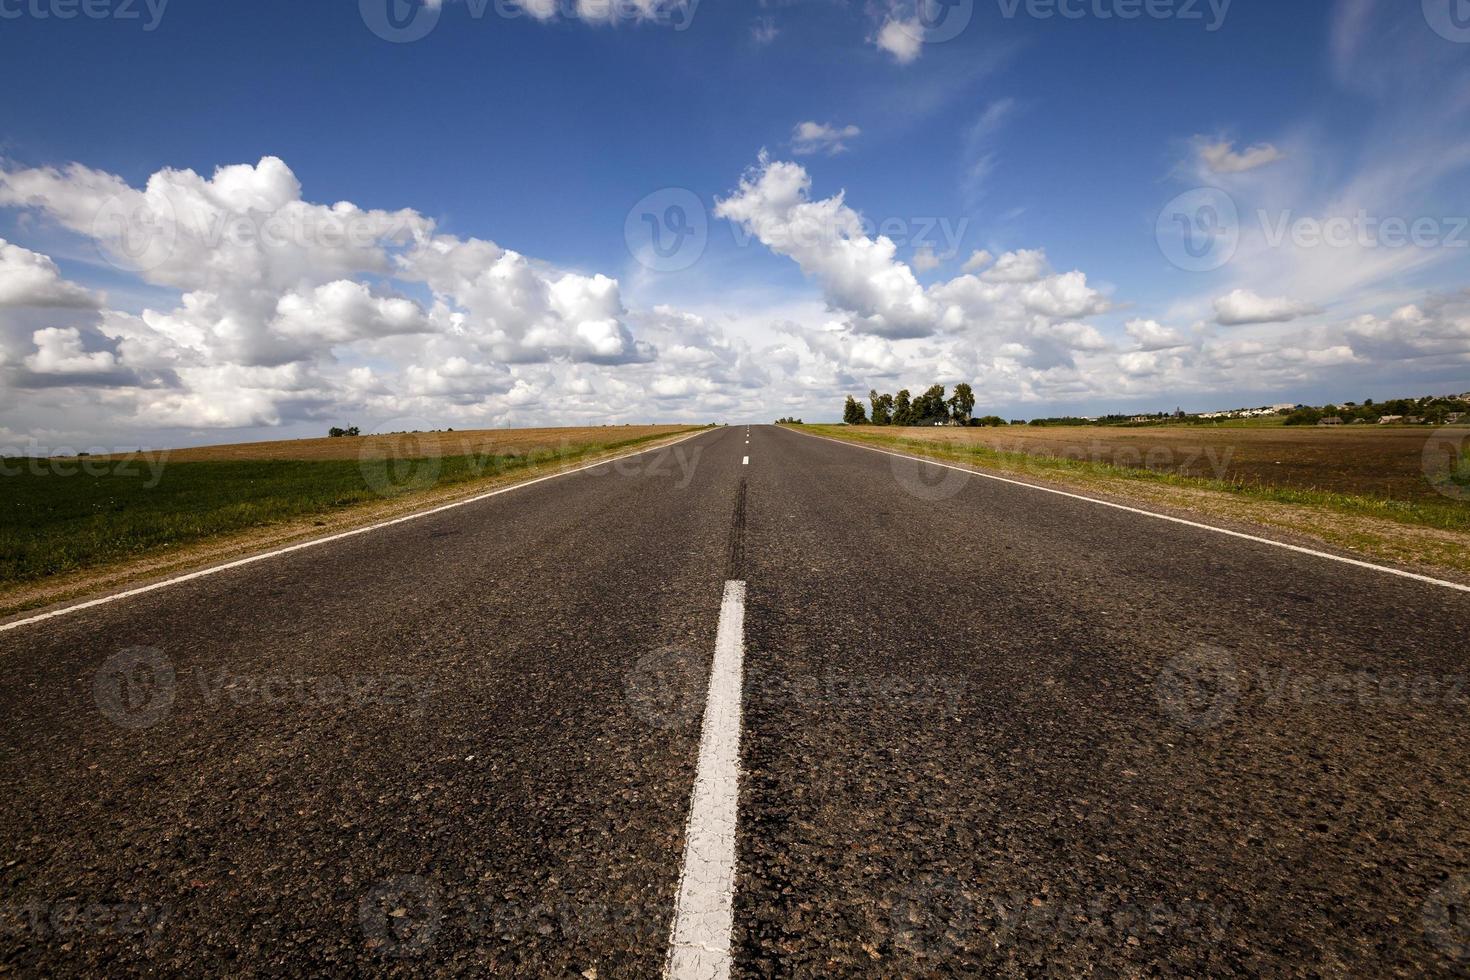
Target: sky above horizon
[(222, 222)]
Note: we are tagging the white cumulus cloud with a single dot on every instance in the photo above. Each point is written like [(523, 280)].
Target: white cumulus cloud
[(1241, 306)]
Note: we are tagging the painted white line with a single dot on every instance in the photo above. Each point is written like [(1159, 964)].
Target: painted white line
[(746, 462), (699, 943), (1165, 517), (315, 542)]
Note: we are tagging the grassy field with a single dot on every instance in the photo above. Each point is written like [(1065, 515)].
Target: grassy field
[(64, 516), (1410, 474), (1374, 461)]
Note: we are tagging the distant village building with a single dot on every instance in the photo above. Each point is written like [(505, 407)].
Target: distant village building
[(1331, 420), (1390, 419), (1247, 413)]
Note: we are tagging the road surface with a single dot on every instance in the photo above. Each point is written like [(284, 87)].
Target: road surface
[(946, 726)]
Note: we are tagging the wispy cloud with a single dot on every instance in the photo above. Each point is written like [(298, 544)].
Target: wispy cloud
[(1221, 157), (809, 138)]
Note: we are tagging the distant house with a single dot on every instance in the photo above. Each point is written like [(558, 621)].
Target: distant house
[(1331, 420), (1390, 419), (1413, 420), (1454, 417)]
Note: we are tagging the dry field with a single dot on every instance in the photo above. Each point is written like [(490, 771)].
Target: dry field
[(1374, 461), (471, 442)]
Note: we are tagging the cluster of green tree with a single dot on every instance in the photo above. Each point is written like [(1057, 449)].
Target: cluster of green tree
[(930, 408), (337, 433), (790, 422), (1429, 410)]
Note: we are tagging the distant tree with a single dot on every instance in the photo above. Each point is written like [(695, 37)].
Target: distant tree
[(989, 420), (962, 404), (903, 409), (931, 408), (1304, 416), (338, 433), (882, 408), (853, 413)]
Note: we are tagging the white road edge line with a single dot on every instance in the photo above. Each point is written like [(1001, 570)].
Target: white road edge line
[(1165, 517), (314, 542), (704, 914)]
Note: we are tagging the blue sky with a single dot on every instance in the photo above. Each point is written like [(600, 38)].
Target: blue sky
[(1054, 144)]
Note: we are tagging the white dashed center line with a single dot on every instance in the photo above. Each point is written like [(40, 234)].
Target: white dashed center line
[(746, 462), (699, 944)]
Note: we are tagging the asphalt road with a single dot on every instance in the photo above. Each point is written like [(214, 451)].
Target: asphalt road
[(984, 730)]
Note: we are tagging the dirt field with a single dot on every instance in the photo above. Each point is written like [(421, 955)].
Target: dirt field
[(1379, 461), (471, 442)]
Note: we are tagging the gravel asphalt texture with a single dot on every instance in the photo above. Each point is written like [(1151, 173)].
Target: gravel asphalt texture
[(988, 731)]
